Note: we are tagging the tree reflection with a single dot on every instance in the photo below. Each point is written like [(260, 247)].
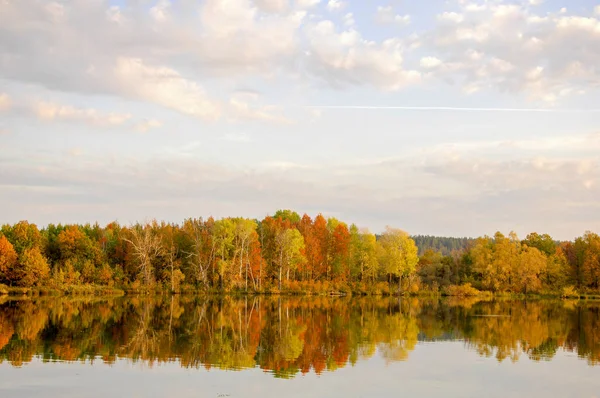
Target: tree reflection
[(288, 336)]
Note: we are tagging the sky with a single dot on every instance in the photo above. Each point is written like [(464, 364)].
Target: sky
[(442, 117)]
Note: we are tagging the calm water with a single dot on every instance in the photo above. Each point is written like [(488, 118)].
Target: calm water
[(299, 347)]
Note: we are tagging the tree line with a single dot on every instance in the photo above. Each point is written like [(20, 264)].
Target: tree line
[(280, 252), (501, 263), (441, 244), (287, 252)]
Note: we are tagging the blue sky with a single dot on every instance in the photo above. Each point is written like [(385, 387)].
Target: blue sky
[(448, 117)]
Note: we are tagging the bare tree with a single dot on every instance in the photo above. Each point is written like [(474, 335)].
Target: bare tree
[(147, 245)]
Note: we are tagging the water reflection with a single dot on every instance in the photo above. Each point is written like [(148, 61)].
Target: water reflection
[(288, 336)]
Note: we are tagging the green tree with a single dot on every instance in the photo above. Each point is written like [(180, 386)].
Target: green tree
[(543, 243)]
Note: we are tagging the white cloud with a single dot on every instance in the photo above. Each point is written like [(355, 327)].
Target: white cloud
[(166, 87), (346, 58), (386, 15), (148, 124), (275, 6), (114, 14), (5, 102), (536, 2), (430, 62), (53, 111), (349, 19), (466, 177), (275, 36), (335, 5), (597, 10), (237, 137), (247, 106), (307, 3), (451, 17), (498, 48), (160, 12)]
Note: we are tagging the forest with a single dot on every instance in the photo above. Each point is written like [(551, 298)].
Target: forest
[(287, 253)]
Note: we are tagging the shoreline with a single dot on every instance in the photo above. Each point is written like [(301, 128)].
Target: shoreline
[(105, 291)]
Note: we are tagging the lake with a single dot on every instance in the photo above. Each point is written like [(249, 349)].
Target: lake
[(298, 347)]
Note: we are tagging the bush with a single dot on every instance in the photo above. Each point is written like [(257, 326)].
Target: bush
[(465, 290), (569, 292)]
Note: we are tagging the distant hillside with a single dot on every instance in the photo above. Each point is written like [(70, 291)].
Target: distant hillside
[(441, 244)]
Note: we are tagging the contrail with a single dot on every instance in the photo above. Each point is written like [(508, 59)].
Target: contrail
[(455, 109)]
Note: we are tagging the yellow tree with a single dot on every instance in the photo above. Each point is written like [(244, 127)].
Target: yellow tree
[(289, 248), (532, 264), (506, 259), (591, 263), (33, 268), (8, 259), (363, 254), (482, 255), (398, 254)]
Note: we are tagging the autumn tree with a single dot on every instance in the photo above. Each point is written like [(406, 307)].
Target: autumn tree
[(481, 255), (532, 264), (398, 254), (8, 260), (244, 233), (146, 247), (591, 263), (32, 269), (223, 237), (363, 249), (544, 243), (290, 245), (339, 250), (170, 256), (22, 235), (78, 253)]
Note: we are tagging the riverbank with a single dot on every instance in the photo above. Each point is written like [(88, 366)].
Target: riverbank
[(378, 290)]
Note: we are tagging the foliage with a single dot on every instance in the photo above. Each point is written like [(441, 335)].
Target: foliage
[(465, 290), (289, 254)]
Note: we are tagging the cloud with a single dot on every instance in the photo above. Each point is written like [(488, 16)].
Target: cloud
[(164, 86), (418, 191), (199, 45), (430, 62), (160, 12), (53, 111), (5, 102), (237, 137), (481, 56), (148, 124), (335, 5), (307, 3), (139, 53), (276, 6), (349, 19), (386, 15), (246, 106), (536, 2), (451, 17), (346, 58), (597, 10)]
